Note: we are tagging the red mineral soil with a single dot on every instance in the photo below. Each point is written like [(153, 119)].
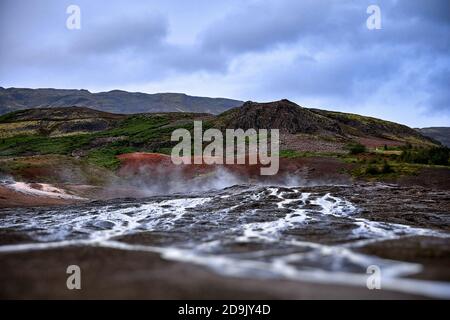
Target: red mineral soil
[(314, 168), (141, 163), (309, 170), (372, 142)]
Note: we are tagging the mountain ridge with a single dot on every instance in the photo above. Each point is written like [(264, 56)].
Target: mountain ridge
[(441, 134), (114, 101)]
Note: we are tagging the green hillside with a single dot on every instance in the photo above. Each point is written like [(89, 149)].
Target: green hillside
[(87, 138)]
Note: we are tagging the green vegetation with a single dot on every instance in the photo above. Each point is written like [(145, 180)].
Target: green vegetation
[(146, 133), (97, 150), (434, 155), (21, 145), (356, 148), (378, 166), (8, 116), (384, 170), (106, 157), (55, 169), (305, 154)]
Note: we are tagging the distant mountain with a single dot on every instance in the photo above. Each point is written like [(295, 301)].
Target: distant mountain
[(441, 134), (116, 101)]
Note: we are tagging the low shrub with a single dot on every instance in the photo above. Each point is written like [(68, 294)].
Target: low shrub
[(356, 148), (371, 170), (386, 168), (435, 155)]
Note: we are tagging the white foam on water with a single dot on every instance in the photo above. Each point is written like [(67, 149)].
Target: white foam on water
[(102, 223), (278, 253)]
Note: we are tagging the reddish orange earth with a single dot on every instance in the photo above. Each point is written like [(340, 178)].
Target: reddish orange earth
[(154, 164)]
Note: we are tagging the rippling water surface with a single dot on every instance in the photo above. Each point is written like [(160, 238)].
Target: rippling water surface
[(244, 231)]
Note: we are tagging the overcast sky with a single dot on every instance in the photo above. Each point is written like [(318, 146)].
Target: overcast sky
[(316, 53)]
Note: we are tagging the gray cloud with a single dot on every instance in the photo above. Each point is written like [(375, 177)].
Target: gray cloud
[(438, 86), (434, 11), (304, 50), (355, 61), (262, 25), (120, 33)]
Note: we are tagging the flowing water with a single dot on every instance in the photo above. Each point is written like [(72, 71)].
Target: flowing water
[(309, 234)]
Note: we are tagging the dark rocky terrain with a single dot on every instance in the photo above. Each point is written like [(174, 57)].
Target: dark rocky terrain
[(284, 115), (293, 119)]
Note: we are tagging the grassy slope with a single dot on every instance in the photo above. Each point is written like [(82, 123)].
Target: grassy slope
[(354, 124), (54, 168), (149, 133)]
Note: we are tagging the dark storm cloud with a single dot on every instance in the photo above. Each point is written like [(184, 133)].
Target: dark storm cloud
[(435, 11), (111, 48), (414, 33), (349, 74), (263, 25), (266, 24), (439, 84)]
